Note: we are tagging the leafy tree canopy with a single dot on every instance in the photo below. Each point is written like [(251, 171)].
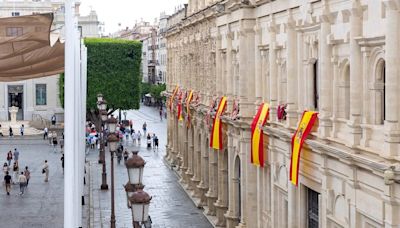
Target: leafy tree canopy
[(114, 71)]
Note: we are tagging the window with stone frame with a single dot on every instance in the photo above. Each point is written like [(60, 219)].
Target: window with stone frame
[(41, 94), (344, 93), (380, 92), (315, 86)]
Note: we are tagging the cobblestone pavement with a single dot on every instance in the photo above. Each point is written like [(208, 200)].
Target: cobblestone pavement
[(170, 206), (42, 204)]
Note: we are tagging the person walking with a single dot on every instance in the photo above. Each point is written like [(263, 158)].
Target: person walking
[(22, 183), (50, 138), (10, 131), (119, 156), (161, 113), (22, 129), (45, 170), (9, 157), (7, 181), (16, 171), (138, 136), (62, 162), (1, 131), (6, 168), (155, 142), (134, 137), (53, 119), (126, 155), (27, 174), (153, 139), (55, 142), (148, 141), (16, 155), (144, 128), (46, 133)]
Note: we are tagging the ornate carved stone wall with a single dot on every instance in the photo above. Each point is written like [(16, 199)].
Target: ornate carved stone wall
[(337, 57)]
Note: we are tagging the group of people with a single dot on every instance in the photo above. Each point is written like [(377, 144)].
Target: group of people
[(11, 131), (19, 177), (53, 139)]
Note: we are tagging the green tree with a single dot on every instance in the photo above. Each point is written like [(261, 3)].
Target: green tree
[(113, 69)]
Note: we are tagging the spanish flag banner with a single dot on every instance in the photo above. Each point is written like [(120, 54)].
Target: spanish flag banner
[(216, 133), (188, 100), (179, 111), (171, 99), (257, 139), (304, 128)]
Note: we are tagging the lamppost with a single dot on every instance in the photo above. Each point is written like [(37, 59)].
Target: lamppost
[(102, 106), (138, 200), (112, 143)]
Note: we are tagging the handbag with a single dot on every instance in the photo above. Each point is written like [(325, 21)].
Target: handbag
[(43, 171)]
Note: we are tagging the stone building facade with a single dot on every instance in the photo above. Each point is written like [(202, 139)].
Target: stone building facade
[(39, 98), (338, 57)]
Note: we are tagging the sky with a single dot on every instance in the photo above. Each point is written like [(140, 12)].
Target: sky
[(126, 12)]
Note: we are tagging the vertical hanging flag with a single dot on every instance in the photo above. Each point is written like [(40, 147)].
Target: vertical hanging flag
[(179, 111), (304, 128), (257, 139), (188, 100), (216, 133), (171, 99)]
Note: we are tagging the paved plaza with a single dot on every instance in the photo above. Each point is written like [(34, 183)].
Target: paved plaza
[(42, 204), (170, 206)]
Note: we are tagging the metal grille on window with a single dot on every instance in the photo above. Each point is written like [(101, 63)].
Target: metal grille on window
[(313, 209)]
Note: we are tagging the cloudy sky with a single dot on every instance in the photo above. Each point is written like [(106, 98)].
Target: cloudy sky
[(126, 12)]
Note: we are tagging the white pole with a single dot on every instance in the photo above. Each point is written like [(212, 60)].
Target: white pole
[(78, 169), (83, 111), (69, 111)]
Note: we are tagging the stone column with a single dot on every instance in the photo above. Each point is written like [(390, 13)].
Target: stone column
[(218, 66), (300, 75), (355, 75), (392, 49), (335, 92), (250, 68), (291, 64), (222, 202), (293, 205), (189, 155), (258, 64), (196, 164), (325, 112), (229, 73), (243, 72), (265, 76), (203, 185), (212, 181), (232, 219), (273, 73)]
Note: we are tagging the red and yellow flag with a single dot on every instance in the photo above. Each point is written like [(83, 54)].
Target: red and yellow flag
[(171, 99), (304, 128), (216, 133), (179, 111), (257, 139), (188, 100)]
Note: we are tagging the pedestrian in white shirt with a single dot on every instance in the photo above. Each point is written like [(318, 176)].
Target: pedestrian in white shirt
[(22, 183), (45, 170)]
